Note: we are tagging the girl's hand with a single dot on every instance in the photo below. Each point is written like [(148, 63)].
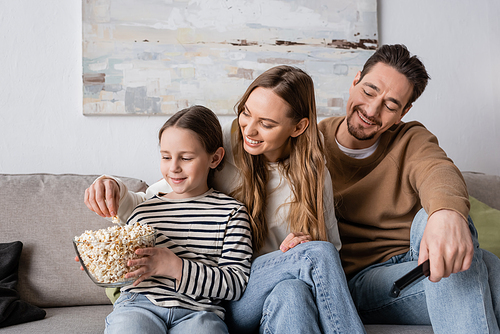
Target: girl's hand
[(78, 260), (156, 261), (293, 239)]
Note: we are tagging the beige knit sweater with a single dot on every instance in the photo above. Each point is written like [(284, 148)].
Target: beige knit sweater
[(377, 197)]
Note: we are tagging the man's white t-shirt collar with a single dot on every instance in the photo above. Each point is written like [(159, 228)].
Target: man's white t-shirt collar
[(359, 153)]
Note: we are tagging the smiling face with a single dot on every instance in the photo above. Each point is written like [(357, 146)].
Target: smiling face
[(265, 126), (185, 163), (375, 104)]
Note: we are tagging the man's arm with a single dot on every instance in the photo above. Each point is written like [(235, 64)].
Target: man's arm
[(447, 243)]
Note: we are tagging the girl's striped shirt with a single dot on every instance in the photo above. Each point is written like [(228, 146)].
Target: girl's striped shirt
[(211, 234)]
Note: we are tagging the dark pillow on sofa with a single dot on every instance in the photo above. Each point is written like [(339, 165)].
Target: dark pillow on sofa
[(13, 311)]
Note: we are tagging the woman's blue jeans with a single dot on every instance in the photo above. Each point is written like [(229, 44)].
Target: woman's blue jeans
[(303, 290), (467, 302)]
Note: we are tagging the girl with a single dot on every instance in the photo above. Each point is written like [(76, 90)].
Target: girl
[(203, 248), (275, 166)]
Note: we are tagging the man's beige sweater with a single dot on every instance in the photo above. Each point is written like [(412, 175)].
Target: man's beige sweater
[(377, 197)]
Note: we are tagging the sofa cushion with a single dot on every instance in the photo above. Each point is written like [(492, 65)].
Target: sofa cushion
[(398, 329), (77, 319), (13, 310), (487, 222), (45, 212)]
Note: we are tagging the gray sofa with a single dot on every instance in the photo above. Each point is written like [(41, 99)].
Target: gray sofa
[(45, 211)]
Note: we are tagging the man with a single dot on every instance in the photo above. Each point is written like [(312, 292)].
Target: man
[(400, 201)]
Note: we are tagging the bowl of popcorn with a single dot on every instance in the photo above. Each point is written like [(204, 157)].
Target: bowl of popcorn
[(104, 253)]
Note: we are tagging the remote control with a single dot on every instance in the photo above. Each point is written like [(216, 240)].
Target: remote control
[(414, 276)]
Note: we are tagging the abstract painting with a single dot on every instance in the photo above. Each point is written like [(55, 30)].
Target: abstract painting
[(155, 57)]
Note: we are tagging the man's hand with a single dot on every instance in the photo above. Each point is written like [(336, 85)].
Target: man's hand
[(447, 243), (156, 261), (103, 197), (293, 239)]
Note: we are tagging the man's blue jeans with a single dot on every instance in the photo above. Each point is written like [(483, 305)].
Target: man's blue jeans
[(467, 302), (303, 290)]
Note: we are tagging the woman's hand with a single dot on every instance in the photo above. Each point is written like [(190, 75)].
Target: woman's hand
[(156, 261), (103, 197), (293, 239)]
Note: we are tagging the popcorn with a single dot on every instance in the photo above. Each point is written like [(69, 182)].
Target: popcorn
[(105, 252), (116, 220)]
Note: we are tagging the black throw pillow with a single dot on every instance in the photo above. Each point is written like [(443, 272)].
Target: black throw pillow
[(13, 311)]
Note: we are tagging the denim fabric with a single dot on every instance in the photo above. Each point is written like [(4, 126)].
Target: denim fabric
[(466, 302), (303, 290), (134, 313), (305, 322)]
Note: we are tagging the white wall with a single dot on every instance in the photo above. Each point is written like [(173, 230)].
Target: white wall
[(458, 41), (42, 128)]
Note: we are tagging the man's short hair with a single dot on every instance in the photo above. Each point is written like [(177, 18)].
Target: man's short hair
[(398, 57)]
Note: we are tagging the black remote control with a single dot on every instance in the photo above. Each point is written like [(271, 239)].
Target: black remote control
[(414, 276)]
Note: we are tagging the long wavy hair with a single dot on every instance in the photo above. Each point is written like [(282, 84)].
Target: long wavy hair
[(304, 169)]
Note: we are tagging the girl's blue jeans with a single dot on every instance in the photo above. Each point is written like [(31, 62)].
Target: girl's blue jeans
[(133, 313), (303, 290), (467, 302)]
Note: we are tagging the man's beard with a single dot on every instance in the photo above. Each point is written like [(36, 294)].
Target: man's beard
[(357, 132)]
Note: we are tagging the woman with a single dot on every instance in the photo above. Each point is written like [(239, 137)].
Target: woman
[(275, 166)]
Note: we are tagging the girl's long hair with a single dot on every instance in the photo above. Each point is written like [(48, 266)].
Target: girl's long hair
[(304, 169)]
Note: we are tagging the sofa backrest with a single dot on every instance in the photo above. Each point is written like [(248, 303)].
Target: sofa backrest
[(484, 187), (45, 212)]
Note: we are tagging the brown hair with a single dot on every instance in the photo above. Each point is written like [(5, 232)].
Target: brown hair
[(398, 57), (205, 124), (304, 169)]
